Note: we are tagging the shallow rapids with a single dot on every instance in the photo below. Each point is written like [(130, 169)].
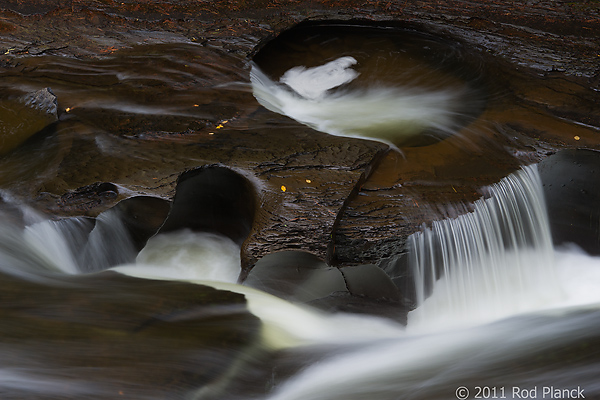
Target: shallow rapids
[(363, 357)]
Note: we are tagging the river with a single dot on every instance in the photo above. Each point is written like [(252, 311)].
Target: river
[(87, 312)]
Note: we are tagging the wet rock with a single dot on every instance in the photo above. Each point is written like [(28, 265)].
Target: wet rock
[(571, 181), (214, 199), (409, 189), (43, 100), (543, 57), (349, 303), (302, 277), (305, 181), (89, 198), (295, 275), (22, 118), (370, 281), (397, 268), (142, 216)]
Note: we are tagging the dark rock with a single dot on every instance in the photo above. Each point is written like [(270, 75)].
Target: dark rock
[(349, 303), (296, 276), (405, 191), (571, 181), (302, 277), (89, 197), (22, 118), (397, 268), (142, 216), (306, 177), (138, 334), (215, 199), (370, 281)]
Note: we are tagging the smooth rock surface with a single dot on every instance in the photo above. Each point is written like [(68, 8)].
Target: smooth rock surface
[(571, 180)]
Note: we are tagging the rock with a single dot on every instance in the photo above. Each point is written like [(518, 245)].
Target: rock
[(142, 216), (397, 268), (349, 303), (22, 118), (43, 100), (296, 276), (369, 281), (213, 198), (300, 276), (571, 181), (137, 335), (89, 198)]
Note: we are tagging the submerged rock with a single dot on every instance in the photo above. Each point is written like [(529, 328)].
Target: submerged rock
[(25, 116), (137, 336)]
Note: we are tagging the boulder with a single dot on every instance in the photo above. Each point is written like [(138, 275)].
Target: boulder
[(571, 182)]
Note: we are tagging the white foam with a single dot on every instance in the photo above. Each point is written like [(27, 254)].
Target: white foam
[(579, 276), (187, 255), (313, 83), (381, 112)]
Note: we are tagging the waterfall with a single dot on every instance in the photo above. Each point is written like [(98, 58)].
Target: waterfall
[(37, 245), (493, 262)]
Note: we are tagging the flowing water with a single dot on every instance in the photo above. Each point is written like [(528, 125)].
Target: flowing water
[(491, 263), (501, 313), (380, 112), (539, 331)]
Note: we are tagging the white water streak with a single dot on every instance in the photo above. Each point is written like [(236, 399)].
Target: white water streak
[(284, 324), (377, 112)]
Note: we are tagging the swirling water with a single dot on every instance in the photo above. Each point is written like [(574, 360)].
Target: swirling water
[(389, 113)]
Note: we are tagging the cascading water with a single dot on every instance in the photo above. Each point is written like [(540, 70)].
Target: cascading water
[(496, 307), (493, 262), (72, 246), (483, 272)]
